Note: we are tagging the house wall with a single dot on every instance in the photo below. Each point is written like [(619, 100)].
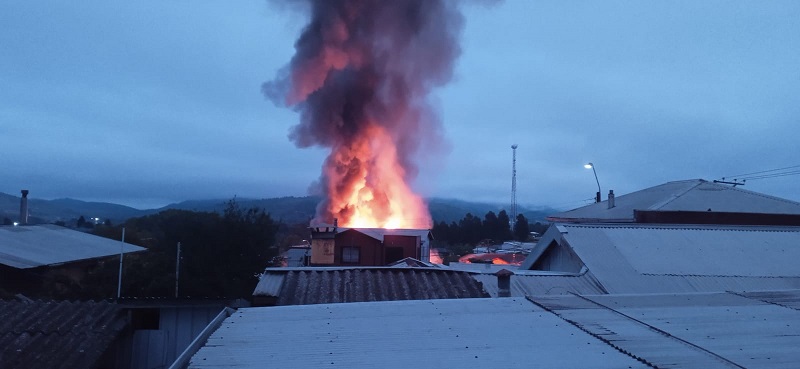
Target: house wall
[(409, 244), (558, 258), (370, 249), (170, 331)]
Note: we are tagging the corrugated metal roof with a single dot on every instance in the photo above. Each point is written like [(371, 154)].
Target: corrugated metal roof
[(37, 245), (472, 333), (543, 284), (688, 330), (634, 258), (43, 334), (336, 285), (688, 195)]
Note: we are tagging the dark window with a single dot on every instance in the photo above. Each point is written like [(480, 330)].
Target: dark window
[(351, 254), (393, 254), (145, 318)]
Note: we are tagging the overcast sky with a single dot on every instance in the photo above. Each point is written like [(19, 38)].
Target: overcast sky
[(146, 103)]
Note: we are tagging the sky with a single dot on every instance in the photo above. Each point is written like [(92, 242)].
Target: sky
[(148, 103)]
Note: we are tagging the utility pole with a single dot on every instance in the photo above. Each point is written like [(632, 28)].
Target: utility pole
[(119, 280), (177, 269), (513, 186)]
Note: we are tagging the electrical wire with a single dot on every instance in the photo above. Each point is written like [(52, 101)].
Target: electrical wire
[(765, 174)]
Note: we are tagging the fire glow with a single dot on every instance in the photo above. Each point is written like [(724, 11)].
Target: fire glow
[(360, 79)]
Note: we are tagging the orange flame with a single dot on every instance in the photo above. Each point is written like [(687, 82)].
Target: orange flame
[(499, 261), (372, 191), (434, 257)]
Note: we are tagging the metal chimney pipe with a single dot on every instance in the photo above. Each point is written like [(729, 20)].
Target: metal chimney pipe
[(611, 199), (23, 208)]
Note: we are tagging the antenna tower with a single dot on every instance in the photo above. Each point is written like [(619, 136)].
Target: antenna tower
[(513, 185)]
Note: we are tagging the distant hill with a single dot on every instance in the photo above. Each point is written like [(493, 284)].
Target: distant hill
[(49, 211), (286, 209)]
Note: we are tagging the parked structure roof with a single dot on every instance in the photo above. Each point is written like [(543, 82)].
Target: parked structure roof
[(300, 286), (49, 334), (693, 330), (646, 258), (696, 195), (32, 246)]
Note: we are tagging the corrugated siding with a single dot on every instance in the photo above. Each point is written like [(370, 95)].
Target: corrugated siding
[(528, 285), (32, 246), (323, 286), (470, 333), (57, 334), (688, 330)]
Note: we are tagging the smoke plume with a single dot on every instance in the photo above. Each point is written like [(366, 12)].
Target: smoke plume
[(360, 79)]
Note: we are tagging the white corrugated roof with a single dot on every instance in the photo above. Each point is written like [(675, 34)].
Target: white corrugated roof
[(720, 330), (712, 330), (37, 245), (468, 333), (642, 258), (688, 195)]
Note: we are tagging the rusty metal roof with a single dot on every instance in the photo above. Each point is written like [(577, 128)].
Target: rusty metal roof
[(50, 334), (301, 286)]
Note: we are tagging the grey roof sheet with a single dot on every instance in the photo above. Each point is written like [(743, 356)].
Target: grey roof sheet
[(688, 195), (688, 330), (37, 245), (634, 258), (544, 284), (470, 333), (49, 334), (335, 285)]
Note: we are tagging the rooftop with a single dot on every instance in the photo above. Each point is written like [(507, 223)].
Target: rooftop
[(32, 246), (708, 330), (696, 195), (642, 258), (49, 334), (301, 286)]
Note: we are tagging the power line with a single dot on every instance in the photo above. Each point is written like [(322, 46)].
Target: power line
[(763, 171), (763, 174)]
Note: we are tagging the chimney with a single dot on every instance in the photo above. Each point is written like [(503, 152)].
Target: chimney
[(504, 283), (611, 199), (23, 208)]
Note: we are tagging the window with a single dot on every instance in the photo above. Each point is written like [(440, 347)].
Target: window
[(351, 254)]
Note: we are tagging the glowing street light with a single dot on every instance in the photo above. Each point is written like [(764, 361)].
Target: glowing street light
[(591, 166)]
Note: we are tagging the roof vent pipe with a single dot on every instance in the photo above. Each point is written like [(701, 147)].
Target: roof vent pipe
[(611, 199), (23, 208)]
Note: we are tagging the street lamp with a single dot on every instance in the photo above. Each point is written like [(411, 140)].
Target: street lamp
[(591, 166)]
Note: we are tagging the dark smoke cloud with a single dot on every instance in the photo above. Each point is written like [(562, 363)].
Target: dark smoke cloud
[(360, 63)]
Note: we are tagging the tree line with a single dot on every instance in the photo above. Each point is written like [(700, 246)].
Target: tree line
[(493, 229), (222, 253)]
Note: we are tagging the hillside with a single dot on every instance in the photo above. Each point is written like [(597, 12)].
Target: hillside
[(287, 209)]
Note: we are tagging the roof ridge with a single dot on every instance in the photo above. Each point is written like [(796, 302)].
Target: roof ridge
[(698, 182)]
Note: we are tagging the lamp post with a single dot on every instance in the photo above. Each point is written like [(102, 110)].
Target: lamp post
[(591, 166)]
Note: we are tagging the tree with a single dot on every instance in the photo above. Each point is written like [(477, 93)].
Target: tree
[(521, 229), (221, 254), (504, 226)]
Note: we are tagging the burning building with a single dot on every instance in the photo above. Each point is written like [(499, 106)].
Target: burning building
[(334, 246), (360, 79)]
